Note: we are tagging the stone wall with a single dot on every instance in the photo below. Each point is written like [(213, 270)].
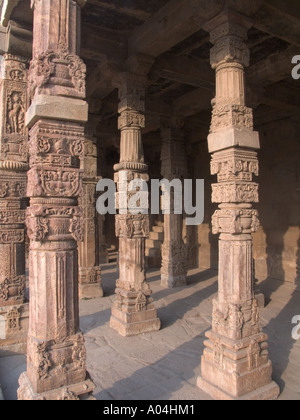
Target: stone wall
[(276, 244)]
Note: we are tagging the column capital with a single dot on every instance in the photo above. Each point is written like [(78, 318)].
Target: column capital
[(228, 31)]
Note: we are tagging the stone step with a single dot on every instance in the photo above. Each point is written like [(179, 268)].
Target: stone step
[(156, 236), (160, 224), (153, 252), (112, 255), (150, 243), (159, 229)]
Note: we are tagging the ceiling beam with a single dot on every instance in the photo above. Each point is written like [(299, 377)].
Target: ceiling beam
[(278, 20), (193, 102), (282, 97), (273, 69), (183, 70), (98, 44), (173, 23)]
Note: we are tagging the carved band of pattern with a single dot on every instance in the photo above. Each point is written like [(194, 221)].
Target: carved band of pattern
[(131, 119), (235, 193), (58, 68), (10, 217), (56, 146), (235, 221), (234, 322), (237, 166), (51, 359), (54, 183), (12, 189), (12, 289), (55, 223), (132, 226), (12, 236), (227, 116)]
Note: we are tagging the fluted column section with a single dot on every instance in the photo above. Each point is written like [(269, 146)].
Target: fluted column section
[(133, 311), (56, 355), (235, 364)]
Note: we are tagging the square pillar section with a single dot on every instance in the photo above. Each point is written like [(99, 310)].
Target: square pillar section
[(173, 167), (133, 311), (56, 355), (235, 364), (14, 311), (89, 268)]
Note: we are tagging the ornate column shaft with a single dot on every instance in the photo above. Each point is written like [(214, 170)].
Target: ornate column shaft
[(89, 268), (235, 364), (133, 311), (56, 355), (174, 252), (13, 167)]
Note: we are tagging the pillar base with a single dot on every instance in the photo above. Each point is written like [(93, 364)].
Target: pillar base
[(79, 391), (173, 281), (90, 283), (261, 300), (14, 321), (267, 393), (237, 369), (134, 323)]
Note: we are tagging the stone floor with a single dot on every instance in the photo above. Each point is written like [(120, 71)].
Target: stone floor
[(165, 365)]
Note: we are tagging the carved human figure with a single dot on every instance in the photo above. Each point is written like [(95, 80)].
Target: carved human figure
[(16, 113)]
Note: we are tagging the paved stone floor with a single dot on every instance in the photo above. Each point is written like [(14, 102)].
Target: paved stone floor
[(165, 365)]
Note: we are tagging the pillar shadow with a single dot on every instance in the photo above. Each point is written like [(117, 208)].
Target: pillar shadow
[(176, 310), (192, 280), (160, 380)]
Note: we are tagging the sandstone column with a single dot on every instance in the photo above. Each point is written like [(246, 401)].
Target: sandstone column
[(13, 166), (56, 355), (174, 251), (133, 311), (235, 364), (89, 268)]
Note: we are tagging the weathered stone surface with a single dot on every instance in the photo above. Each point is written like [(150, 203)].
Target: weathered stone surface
[(89, 269), (133, 311), (174, 251), (13, 182), (235, 363), (56, 355)]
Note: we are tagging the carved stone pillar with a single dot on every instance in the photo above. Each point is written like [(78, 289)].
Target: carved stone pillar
[(13, 167), (174, 251), (89, 269), (133, 311), (235, 364), (56, 355)]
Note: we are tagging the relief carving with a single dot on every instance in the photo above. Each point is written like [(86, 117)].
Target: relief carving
[(16, 113), (58, 68)]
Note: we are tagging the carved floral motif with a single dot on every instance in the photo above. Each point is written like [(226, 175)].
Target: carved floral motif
[(58, 68)]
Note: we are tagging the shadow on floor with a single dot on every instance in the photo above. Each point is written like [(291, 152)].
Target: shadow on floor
[(164, 379)]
